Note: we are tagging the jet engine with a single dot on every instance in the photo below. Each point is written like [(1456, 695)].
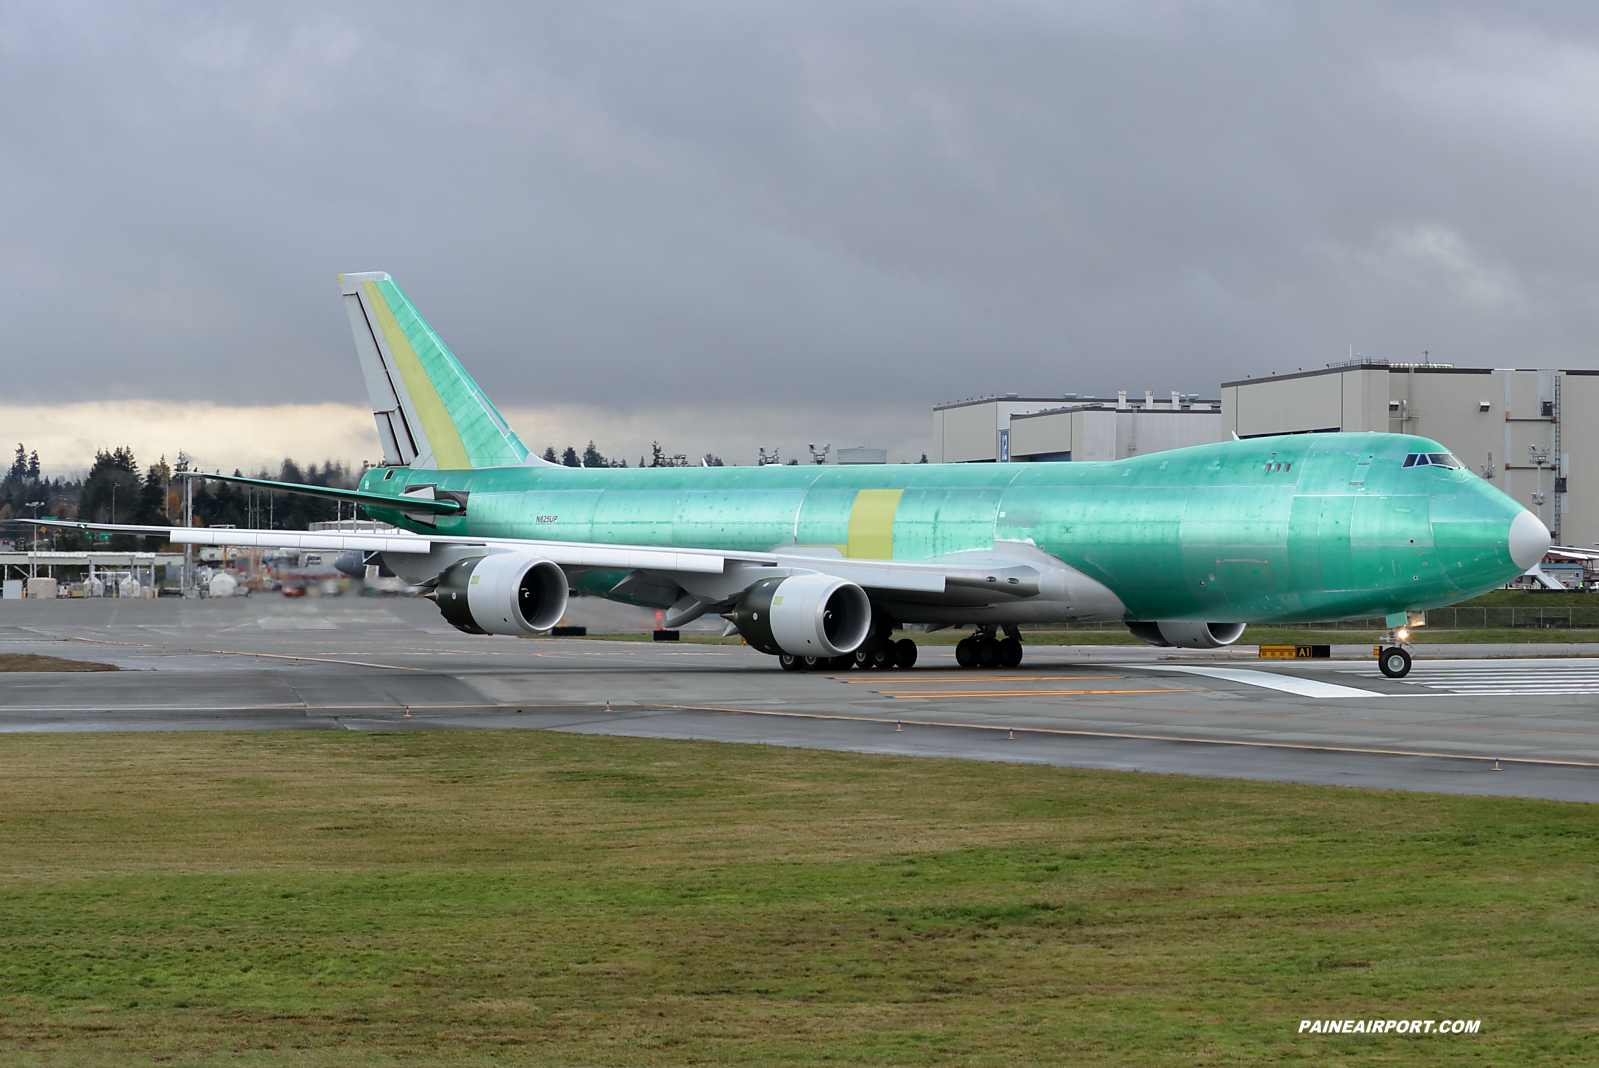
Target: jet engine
[(506, 593), (804, 615), (1188, 635)]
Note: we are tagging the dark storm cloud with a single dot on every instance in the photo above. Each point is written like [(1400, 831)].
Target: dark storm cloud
[(872, 204)]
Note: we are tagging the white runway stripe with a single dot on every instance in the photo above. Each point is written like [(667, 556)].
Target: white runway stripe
[(1530, 677), (1272, 681), (1523, 678)]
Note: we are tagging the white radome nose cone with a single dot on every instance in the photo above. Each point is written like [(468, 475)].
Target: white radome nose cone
[(1529, 540)]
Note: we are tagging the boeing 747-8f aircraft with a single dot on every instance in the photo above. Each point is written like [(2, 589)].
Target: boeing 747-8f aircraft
[(818, 565)]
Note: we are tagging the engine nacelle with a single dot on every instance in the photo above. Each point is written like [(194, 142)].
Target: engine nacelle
[(1188, 635), (506, 593), (804, 615)]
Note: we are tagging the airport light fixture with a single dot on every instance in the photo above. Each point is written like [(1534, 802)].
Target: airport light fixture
[(35, 505), (1540, 460)]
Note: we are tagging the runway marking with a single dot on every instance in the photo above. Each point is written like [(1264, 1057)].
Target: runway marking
[(230, 652), (1541, 678), (942, 678), (1271, 681), (1137, 737), (918, 695)]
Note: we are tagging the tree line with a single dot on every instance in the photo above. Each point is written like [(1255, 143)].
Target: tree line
[(592, 457), (116, 491)]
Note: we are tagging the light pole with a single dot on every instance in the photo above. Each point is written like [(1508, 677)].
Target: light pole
[(35, 505), (1540, 460)]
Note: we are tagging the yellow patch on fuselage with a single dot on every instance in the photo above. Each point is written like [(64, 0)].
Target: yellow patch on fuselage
[(449, 453), (871, 524)]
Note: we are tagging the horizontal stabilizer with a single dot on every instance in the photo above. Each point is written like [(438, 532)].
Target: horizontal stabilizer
[(426, 505)]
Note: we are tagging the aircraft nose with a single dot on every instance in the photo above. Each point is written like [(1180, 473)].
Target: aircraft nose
[(1529, 540)]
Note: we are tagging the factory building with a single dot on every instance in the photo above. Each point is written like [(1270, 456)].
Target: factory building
[(1505, 424), (1016, 429)]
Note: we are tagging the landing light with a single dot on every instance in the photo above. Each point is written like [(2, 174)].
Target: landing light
[(1402, 634)]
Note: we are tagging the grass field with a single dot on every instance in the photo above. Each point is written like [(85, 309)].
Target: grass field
[(315, 898), (35, 662)]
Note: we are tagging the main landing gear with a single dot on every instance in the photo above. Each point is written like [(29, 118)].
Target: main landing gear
[(878, 653), (983, 650), (1393, 659)]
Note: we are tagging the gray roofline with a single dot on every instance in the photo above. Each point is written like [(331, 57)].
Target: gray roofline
[(1399, 370), (1066, 401), (1139, 408)]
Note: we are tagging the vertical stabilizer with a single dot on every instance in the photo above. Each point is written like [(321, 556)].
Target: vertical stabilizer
[(429, 412)]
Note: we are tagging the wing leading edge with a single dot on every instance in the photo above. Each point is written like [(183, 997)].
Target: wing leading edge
[(1004, 575)]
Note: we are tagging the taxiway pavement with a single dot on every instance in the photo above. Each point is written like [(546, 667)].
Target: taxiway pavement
[(267, 663)]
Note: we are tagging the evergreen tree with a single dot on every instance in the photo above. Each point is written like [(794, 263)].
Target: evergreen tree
[(549, 454), (153, 494), (33, 465), (592, 457), (569, 457), (111, 493), (19, 466)]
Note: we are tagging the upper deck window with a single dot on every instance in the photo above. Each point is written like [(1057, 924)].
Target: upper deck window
[(1435, 459)]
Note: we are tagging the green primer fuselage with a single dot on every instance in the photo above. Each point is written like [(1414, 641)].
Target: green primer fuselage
[(1280, 529)]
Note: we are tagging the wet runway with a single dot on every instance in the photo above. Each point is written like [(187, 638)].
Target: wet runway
[(267, 663)]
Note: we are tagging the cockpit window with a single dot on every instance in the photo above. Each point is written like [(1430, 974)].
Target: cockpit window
[(1437, 459)]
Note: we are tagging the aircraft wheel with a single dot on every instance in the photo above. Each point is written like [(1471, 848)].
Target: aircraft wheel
[(1395, 663), (842, 662), (789, 661), (904, 653), (1010, 653), (966, 652), (812, 663), (882, 654), (988, 653)]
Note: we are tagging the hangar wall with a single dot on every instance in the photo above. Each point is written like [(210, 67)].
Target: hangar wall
[(1499, 421), (1013, 428)]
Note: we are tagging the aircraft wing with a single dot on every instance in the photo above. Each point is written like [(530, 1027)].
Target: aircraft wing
[(286, 539), (1005, 574)]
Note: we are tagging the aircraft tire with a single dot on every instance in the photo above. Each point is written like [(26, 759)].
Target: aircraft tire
[(966, 652), (813, 663), (988, 653), (904, 654), (882, 654), (789, 662), (1394, 662), (1010, 653)]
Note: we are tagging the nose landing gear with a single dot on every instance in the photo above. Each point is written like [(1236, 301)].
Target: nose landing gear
[(1393, 659)]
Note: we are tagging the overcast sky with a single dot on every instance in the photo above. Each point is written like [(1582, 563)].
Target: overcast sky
[(709, 222)]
